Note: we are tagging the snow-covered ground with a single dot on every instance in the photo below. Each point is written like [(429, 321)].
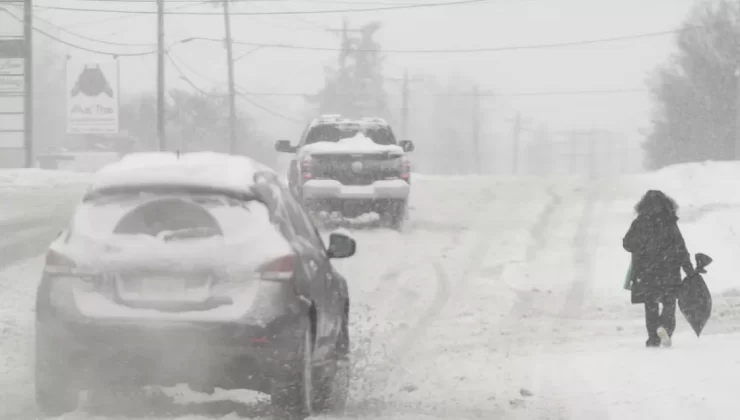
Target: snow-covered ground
[(501, 299), (29, 193)]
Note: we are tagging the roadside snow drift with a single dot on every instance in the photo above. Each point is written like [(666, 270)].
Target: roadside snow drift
[(17, 179)]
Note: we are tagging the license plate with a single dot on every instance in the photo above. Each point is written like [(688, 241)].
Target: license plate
[(358, 190), (162, 286), (157, 288)]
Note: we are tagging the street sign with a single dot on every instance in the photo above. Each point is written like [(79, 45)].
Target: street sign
[(92, 97)]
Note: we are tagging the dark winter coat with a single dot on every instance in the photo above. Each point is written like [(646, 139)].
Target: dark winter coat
[(658, 254)]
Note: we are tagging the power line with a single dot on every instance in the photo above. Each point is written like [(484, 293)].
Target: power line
[(96, 51), (92, 50), (184, 77), (463, 50), (268, 110), (557, 93), (410, 51), (487, 95), (375, 3), (243, 96), (100, 41), (75, 46), (295, 12), (131, 16), (469, 50)]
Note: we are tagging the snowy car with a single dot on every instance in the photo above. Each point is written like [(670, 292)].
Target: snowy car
[(198, 268), (351, 166)]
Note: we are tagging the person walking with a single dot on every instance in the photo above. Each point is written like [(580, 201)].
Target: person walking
[(658, 255)]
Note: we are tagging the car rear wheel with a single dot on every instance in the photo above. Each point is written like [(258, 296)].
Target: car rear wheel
[(333, 384), (55, 396), (308, 389), (292, 394)]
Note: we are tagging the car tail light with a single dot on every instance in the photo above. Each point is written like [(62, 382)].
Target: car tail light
[(280, 269), (405, 168), (307, 167), (57, 262)]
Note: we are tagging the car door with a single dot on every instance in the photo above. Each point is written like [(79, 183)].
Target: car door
[(319, 274)]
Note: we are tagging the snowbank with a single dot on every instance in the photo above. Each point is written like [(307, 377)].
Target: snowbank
[(40, 178), (86, 161)]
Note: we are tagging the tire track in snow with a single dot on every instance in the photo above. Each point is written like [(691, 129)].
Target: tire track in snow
[(525, 300), (548, 378), (572, 308), (481, 249), (389, 365)]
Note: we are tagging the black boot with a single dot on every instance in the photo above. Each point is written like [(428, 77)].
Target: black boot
[(653, 342)]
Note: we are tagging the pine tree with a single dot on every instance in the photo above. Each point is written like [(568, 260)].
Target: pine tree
[(696, 91), (355, 88)]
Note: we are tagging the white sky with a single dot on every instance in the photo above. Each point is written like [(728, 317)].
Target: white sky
[(495, 23)]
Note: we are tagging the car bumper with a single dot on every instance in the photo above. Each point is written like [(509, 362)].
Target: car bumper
[(218, 355), (326, 188)]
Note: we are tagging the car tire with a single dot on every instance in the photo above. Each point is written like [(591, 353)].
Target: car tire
[(55, 396), (293, 391), (333, 385)]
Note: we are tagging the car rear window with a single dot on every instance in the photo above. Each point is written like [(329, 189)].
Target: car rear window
[(171, 216), (334, 133)]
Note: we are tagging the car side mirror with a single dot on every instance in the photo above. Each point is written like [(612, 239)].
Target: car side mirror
[(341, 245), (407, 145), (284, 146)]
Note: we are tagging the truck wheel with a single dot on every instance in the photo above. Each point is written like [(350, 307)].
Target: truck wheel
[(395, 214)]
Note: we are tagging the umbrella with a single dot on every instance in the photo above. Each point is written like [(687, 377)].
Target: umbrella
[(694, 298)]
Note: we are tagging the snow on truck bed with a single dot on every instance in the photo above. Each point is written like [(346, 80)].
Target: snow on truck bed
[(360, 144)]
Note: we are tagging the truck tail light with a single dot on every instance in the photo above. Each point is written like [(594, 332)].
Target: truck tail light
[(307, 167)]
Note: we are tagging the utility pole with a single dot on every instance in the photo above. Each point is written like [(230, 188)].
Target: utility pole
[(232, 93), (161, 121), (737, 114), (405, 105), (28, 82), (591, 137), (406, 82), (515, 145), (519, 126), (476, 129)]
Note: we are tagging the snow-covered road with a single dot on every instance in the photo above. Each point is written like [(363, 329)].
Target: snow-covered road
[(501, 300)]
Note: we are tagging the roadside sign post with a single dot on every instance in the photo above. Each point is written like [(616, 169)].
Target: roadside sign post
[(16, 104), (92, 97)]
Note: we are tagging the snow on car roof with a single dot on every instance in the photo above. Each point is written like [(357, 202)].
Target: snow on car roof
[(195, 169)]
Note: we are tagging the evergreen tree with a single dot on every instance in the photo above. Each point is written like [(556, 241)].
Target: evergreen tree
[(355, 88), (696, 92)]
